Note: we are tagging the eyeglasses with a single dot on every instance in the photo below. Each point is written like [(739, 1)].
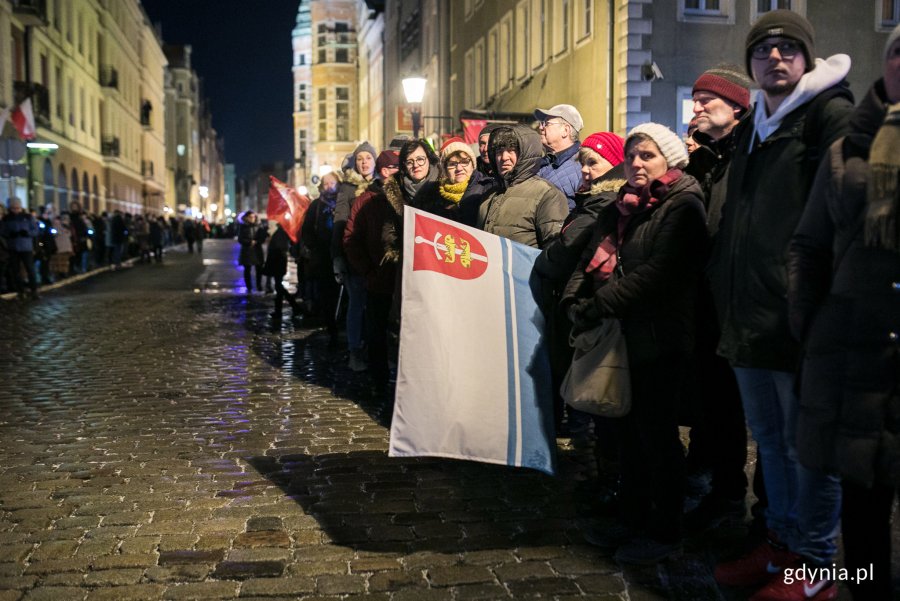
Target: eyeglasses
[(459, 163), (786, 48), (415, 162), (545, 124)]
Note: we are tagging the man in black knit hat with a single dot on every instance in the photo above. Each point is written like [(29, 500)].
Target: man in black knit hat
[(804, 106)]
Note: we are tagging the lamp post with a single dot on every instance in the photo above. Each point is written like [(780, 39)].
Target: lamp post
[(414, 90)]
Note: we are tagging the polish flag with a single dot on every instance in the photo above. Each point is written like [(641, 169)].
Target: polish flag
[(22, 118)]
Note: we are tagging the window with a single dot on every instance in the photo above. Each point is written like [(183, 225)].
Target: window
[(888, 15), (323, 114), (492, 59), (322, 42), (706, 11), (504, 67), (302, 97), (538, 33), (469, 87), (71, 98), (341, 55), (82, 110), (684, 109), (478, 87), (342, 113), (758, 7), (523, 11), (80, 34), (561, 27), (585, 13)]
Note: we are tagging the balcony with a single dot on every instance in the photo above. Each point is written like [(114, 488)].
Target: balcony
[(31, 13), (110, 146), (40, 100), (109, 77)]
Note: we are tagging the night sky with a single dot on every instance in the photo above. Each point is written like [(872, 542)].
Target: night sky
[(242, 52)]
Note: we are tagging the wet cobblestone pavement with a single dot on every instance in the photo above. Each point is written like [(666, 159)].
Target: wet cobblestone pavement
[(160, 439)]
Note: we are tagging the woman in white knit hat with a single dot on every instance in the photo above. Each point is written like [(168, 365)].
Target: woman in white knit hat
[(642, 267)]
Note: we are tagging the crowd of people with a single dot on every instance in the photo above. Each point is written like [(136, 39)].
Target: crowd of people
[(42, 246), (753, 267), (755, 273)]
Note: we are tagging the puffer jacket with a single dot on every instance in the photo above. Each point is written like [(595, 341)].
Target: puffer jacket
[(662, 254), (767, 190), (559, 258), (524, 207), (845, 305)]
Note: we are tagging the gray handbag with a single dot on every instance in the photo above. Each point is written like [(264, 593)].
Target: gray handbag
[(599, 381)]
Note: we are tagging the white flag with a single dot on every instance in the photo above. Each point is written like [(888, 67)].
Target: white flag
[(473, 378)]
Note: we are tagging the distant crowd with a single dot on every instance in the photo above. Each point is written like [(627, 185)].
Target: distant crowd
[(42, 246)]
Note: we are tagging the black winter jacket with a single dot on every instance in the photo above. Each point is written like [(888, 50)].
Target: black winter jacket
[(845, 305), (767, 190), (560, 258), (662, 255)]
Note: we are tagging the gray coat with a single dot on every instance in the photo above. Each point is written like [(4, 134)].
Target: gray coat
[(524, 208)]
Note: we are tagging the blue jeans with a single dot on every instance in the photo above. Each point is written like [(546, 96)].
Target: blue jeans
[(804, 504), (356, 307)]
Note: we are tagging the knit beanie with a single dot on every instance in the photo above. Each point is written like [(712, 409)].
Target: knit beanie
[(895, 33), (783, 23), (726, 82), (364, 147), (387, 158), (670, 145), (608, 145), (455, 145)]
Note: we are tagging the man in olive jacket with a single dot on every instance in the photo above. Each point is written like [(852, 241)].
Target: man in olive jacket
[(802, 108), (524, 208)]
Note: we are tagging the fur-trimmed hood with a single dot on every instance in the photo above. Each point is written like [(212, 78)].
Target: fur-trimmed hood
[(353, 178), (394, 194)]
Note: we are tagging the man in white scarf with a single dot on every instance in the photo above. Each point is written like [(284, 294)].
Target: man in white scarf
[(802, 108)]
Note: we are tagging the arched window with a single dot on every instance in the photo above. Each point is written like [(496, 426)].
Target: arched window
[(96, 190), (86, 193), (74, 183), (49, 189), (63, 189)]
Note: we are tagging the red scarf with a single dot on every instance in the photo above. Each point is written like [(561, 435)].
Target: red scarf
[(631, 202)]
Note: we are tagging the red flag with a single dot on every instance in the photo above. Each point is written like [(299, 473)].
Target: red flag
[(471, 129), (22, 118), (287, 207)]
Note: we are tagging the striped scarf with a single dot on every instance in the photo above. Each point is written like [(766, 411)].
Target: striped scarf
[(882, 229)]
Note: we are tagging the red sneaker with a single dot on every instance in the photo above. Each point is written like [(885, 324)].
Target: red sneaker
[(757, 567), (797, 590)]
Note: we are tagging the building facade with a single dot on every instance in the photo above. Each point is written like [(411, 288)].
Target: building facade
[(417, 43), (717, 31), (370, 40), (326, 122), (182, 131), (88, 67)]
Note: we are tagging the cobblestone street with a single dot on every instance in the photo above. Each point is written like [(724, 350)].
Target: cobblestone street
[(160, 440)]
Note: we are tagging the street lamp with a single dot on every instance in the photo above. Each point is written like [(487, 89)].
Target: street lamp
[(414, 90)]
